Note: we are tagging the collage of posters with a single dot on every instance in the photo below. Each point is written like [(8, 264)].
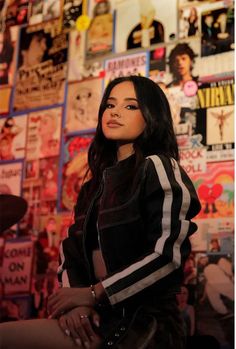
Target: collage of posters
[(53, 71)]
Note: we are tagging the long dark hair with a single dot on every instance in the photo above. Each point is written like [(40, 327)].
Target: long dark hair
[(157, 138)]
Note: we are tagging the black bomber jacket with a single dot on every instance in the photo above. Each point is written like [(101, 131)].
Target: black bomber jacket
[(143, 232)]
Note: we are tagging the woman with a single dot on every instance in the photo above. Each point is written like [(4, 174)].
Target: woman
[(122, 263), (193, 22)]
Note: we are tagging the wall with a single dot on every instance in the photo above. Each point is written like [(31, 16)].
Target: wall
[(53, 69)]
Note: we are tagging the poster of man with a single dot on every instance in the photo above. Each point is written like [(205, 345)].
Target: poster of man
[(42, 67)]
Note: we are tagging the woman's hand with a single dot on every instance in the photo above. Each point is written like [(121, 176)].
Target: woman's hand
[(66, 298), (78, 322)]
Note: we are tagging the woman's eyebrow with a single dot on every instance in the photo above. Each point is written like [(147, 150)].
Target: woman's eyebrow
[(125, 99)]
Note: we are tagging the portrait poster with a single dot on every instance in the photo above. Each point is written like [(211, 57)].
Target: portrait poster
[(177, 67), (17, 266), (12, 137), (42, 66), (217, 28), (44, 133), (215, 119), (215, 189), (78, 67), (141, 24), (83, 100), (10, 178), (99, 38), (75, 166), (71, 10), (189, 21), (132, 64)]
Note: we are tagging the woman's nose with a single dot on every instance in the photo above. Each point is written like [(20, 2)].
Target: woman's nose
[(115, 112)]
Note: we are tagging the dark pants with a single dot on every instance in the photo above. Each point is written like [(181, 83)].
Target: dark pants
[(147, 326)]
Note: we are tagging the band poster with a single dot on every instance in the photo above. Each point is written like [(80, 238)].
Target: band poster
[(134, 64), (215, 118), (42, 67)]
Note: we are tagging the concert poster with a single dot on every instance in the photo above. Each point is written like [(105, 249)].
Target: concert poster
[(42, 66)]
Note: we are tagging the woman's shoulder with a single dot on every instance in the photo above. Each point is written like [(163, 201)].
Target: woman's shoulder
[(157, 160), (158, 166)]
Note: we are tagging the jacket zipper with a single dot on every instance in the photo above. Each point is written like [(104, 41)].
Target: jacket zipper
[(85, 224)]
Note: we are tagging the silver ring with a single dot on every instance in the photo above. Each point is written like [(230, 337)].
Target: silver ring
[(83, 316)]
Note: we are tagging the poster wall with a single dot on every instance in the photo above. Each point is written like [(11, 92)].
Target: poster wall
[(56, 59)]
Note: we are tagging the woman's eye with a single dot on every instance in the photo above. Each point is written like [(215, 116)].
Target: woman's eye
[(131, 107), (109, 106)]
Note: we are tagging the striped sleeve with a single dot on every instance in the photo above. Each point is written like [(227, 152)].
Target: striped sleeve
[(171, 200)]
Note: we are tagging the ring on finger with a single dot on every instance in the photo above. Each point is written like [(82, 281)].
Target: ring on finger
[(83, 316)]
